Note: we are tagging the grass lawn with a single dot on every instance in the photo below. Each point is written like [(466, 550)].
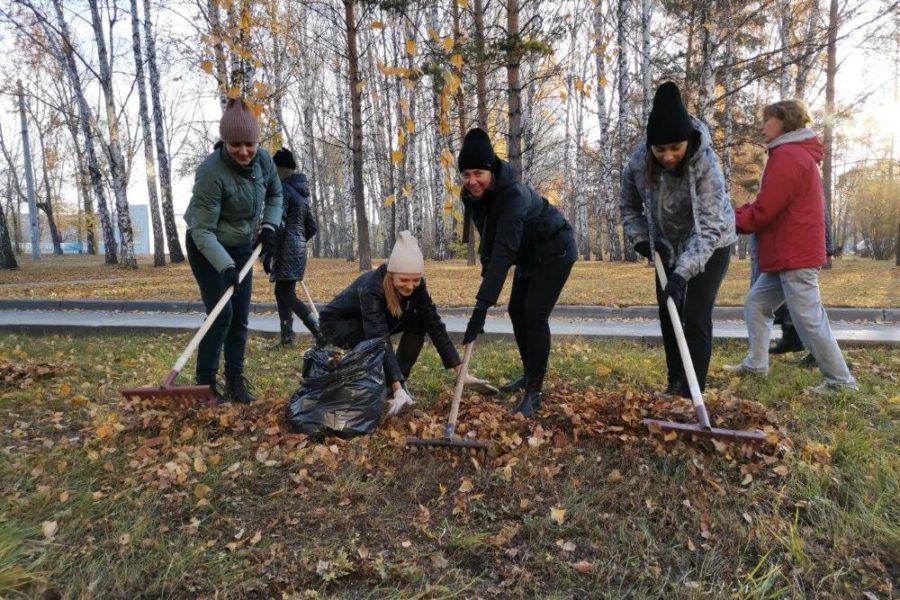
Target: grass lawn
[(852, 282), (105, 498)]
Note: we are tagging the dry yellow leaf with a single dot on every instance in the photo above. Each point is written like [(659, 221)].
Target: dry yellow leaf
[(206, 65), (199, 464), (584, 566), (411, 47), (201, 491), (466, 485), (558, 515)]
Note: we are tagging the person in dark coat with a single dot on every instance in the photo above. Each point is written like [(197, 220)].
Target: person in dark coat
[(389, 300), (517, 227), (286, 265)]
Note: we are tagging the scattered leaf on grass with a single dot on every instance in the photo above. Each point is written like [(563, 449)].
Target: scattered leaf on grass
[(584, 566), (466, 486), (362, 551), (558, 515), (567, 546), (49, 529)]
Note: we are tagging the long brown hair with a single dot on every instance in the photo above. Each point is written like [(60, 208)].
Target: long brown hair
[(391, 295)]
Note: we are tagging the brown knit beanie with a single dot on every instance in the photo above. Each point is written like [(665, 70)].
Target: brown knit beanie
[(238, 123)]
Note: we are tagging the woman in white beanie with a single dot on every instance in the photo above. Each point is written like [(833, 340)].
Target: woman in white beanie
[(392, 299)]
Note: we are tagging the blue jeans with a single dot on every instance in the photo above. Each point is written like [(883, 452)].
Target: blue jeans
[(799, 288), (231, 326)]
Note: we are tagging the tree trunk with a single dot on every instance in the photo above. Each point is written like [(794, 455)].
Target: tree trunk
[(514, 87), (622, 76), (481, 110), (162, 155), (727, 116), (607, 204), (811, 49), (34, 228), (113, 147), (7, 256), (159, 256), (784, 34), (830, 72), (362, 222), (706, 93), (646, 65)]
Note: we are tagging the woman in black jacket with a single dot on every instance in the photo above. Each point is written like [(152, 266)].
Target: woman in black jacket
[(287, 264), (517, 227), (392, 299)]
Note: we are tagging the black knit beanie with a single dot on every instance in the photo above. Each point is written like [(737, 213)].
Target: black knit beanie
[(669, 121), (476, 151), (284, 158)]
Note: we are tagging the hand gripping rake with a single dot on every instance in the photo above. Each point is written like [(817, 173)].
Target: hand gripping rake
[(198, 392), (704, 428), (449, 439)]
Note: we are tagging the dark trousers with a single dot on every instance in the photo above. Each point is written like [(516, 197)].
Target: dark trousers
[(346, 334), (230, 327), (534, 294), (696, 319), (289, 305)]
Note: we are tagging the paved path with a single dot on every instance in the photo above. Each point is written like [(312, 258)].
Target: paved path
[(500, 326)]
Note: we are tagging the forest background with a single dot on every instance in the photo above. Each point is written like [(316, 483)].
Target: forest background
[(121, 100)]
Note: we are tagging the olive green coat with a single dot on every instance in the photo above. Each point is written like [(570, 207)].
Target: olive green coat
[(229, 202)]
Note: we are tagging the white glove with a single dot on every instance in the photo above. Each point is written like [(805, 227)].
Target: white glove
[(472, 380), (400, 400)]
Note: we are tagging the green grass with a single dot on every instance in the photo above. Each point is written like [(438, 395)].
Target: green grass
[(268, 514)]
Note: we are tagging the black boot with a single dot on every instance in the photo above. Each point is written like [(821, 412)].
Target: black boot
[(531, 399), (313, 325), (808, 362), (237, 389), (287, 333), (513, 385), (214, 385), (790, 341), (674, 388)]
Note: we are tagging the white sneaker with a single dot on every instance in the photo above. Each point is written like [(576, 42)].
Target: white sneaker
[(825, 388), (742, 369)]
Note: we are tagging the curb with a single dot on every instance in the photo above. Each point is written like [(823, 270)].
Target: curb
[(721, 313)]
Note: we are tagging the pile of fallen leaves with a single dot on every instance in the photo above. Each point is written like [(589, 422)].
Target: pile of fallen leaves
[(22, 374), (175, 446)]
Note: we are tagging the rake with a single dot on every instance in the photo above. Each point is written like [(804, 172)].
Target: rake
[(191, 392), (704, 428), (449, 440)]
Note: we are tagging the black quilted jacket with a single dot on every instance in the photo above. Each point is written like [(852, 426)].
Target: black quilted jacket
[(298, 225)]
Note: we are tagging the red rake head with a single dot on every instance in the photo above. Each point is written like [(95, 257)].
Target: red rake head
[(447, 442), (171, 393), (712, 432)]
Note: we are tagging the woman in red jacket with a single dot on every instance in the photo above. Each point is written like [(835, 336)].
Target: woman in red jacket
[(788, 219)]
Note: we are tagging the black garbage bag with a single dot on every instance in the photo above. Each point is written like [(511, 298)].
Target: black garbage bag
[(340, 395)]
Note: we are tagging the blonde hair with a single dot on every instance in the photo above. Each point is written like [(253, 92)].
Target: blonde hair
[(793, 113), (391, 295)]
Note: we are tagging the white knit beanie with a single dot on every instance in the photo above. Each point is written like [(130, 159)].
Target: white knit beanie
[(406, 256)]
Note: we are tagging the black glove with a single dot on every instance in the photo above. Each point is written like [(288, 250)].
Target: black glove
[(230, 275), (643, 248), (665, 253), (476, 324), (675, 289), (266, 237), (267, 262)]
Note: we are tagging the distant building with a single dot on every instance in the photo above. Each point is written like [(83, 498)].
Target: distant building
[(72, 238)]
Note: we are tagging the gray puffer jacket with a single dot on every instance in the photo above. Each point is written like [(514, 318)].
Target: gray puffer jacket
[(691, 214)]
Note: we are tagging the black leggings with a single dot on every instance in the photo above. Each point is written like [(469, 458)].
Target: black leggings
[(289, 305), (696, 319), (534, 294)]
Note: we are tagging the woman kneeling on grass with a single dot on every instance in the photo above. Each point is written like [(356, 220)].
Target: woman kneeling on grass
[(517, 227), (674, 202), (392, 299), (788, 218)]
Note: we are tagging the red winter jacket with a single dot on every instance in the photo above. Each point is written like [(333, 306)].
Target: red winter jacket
[(788, 215)]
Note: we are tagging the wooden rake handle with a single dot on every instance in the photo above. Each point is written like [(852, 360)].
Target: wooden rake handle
[(687, 363), (210, 318), (458, 390)]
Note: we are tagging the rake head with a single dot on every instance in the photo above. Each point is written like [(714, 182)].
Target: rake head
[(446, 442), (712, 432), (173, 392)]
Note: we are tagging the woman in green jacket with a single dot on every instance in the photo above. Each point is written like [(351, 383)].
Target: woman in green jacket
[(236, 194)]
